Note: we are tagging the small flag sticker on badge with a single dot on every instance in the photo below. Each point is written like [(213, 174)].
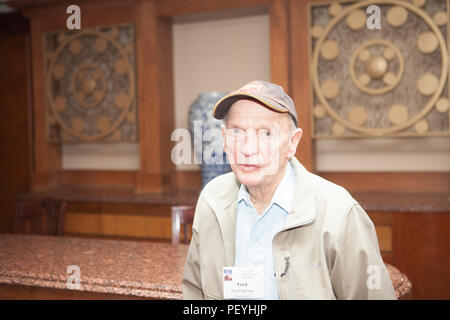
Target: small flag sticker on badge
[(227, 275)]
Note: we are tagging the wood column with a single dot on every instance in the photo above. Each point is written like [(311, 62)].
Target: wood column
[(300, 82), (279, 44), (15, 151), (47, 157), (422, 251), (155, 97)]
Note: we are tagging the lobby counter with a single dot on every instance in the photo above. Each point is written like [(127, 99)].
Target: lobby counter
[(105, 268)]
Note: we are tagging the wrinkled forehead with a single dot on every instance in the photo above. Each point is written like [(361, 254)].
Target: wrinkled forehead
[(249, 113)]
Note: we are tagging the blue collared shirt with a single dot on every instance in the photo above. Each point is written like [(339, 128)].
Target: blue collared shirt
[(254, 232)]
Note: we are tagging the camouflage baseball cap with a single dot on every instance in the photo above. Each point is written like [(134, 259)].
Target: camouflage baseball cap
[(270, 95)]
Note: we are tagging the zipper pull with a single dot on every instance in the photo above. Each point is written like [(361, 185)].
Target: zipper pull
[(286, 267)]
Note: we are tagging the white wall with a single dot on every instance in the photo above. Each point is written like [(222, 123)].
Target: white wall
[(112, 156), (390, 154), (217, 55)]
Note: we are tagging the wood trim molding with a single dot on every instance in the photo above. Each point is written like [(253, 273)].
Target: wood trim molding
[(51, 8), (152, 183), (187, 180), (170, 8), (404, 182), (279, 43), (47, 157), (300, 83), (98, 178), (420, 246), (156, 102), (43, 180), (394, 182)]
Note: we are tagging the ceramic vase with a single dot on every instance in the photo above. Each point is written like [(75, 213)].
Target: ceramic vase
[(206, 136)]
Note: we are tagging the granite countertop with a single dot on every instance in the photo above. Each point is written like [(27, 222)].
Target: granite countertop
[(141, 269), (370, 201), (404, 202)]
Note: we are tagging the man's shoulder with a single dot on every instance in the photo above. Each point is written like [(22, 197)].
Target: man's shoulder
[(222, 188), (333, 202), (320, 188), (327, 190), (220, 181)]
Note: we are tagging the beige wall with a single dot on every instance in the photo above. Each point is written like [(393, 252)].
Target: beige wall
[(96, 156), (217, 55), (222, 51), (390, 154)]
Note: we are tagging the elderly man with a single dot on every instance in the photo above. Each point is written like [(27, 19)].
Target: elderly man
[(270, 229)]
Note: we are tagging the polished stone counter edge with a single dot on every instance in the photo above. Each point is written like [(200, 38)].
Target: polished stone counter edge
[(154, 293)]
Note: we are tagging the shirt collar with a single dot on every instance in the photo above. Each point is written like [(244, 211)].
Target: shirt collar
[(283, 195)]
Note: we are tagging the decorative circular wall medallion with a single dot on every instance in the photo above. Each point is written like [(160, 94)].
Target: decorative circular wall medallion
[(90, 85), (377, 65), (391, 81)]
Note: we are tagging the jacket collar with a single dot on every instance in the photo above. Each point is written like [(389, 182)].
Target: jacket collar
[(223, 201), (303, 209)]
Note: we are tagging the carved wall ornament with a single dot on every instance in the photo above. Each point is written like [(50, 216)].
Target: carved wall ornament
[(391, 81), (90, 85)]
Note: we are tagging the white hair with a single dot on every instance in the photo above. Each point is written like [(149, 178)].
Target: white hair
[(292, 122)]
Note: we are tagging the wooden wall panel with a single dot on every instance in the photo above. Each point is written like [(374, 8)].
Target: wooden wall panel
[(15, 153), (187, 180), (406, 182), (47, 157), (57, 9), (279, 43), (383, 228), (98, 178), (384, 234), (421, 246), (155, 98), (119, 221), (300, 83), (170, 8), (116, 225)]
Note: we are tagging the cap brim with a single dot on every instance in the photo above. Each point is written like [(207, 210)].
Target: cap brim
[(222, 106)]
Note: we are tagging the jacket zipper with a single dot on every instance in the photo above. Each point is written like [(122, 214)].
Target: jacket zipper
[(287, 259), (286, 266), (286, 272)]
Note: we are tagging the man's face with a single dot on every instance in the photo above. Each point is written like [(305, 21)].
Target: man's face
[(258, 142)]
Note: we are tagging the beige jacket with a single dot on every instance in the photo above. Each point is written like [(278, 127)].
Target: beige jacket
[(329, 239)]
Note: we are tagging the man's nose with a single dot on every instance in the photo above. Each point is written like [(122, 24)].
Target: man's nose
[(250, 145)]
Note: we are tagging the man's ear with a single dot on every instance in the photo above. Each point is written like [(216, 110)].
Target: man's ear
[(295, 140)]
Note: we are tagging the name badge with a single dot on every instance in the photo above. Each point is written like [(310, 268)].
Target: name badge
[(243, 282)]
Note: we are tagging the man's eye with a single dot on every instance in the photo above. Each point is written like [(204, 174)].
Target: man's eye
[(265, 132), (238, 131)]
